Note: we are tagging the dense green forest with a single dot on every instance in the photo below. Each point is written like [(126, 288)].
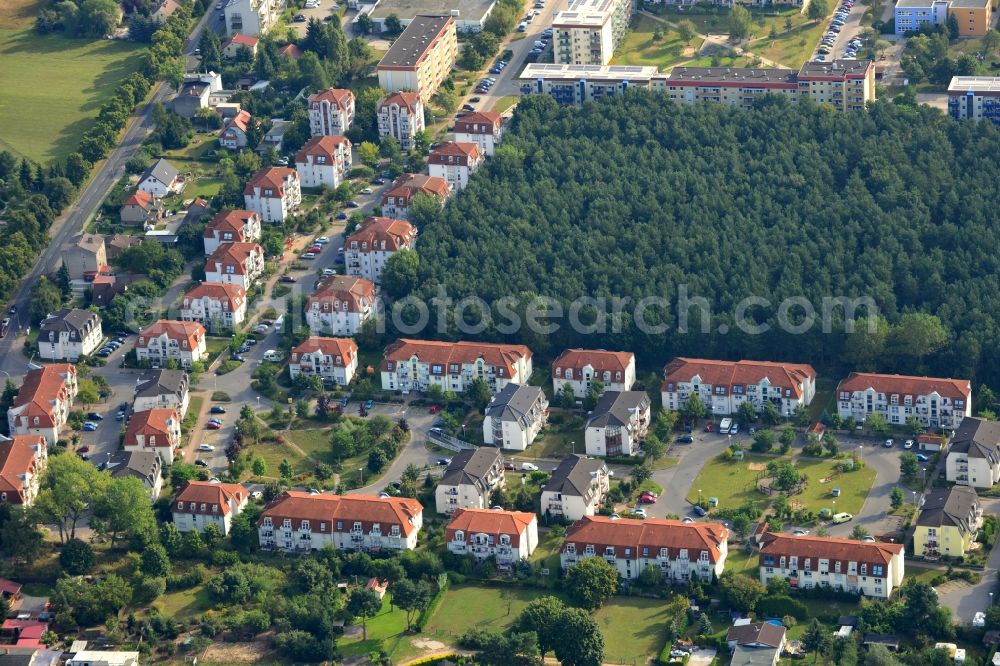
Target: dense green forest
[(634, 197)]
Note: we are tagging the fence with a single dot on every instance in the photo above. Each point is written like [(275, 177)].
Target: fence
[(449, 442)]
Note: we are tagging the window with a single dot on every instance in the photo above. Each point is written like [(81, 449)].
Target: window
[(304, 526), (357, 527), (645, 551), (394, 531), (340, 525), (589, 550), (180, 506), (215, 508)]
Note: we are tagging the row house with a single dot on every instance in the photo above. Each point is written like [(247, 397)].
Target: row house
[(618, 423), (873, 569), (974, 455), (341, 306), (577, 488), (203, 503), (143, 465), (140, 209), (935, 402), (578, 368), (331, 112), (377, 239), (506, 536), (216, 306), (155, 431), (396, 200), (324, 161), (43, 402), (335, 360), (416, 365), (455, 163), (273, 193), (231, 226), (483, 128), (22, 460), (162, 389), (725, 385), (401, 116), (515, 417), (165, 340), (69, 335), (682, 551), (234, 134), (241, 264), (948, 523), (471, 478), (299, 521)]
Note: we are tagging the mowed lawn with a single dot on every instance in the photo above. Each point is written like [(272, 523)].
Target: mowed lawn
[(640, 48), (53, 88)]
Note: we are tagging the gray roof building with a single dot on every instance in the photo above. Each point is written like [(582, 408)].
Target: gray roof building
[(156, 383), (472, 467), (956, 506), (144, 465), (411, 46), (162, 171), (977, 438), (76, 322), (514, 403), (615, 408), (573, 476)]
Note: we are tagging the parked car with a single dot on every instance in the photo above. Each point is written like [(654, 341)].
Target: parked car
[(316, 248), (206, 447), (444, 462), (468, 107), (639, 512), (300, 18), (887, 444), (509, 466), (83, 449), (200, 463), (922, 458), (94, 416), (83, 456), (342, 216), (647, 499), (120, 416), (217, 409), (352, 204), (908, 444), (309, 255), (211, 425), (369, 404), (287, 278), (840, 518), (89, 427), (529, 467), (699, 510), (685, 439)]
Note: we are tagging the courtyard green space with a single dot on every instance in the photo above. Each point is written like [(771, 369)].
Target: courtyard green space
[(640, 47), (791, 48)]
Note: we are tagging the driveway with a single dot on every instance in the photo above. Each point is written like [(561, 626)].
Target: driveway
[(678, 480), (965, 602), (851, 28), (325, 9)]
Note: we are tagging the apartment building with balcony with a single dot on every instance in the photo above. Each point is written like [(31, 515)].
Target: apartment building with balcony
[(618, 423), (734, 86), (681, 551), (846, 84), (483, 128), (231, 226), (324, 161), (873, 569), (574, 85), (588, 31), (973, 17), (216, 306), (455, 163), (974, 98), (416, 365), (396, 200), (515, 417), (331, 112), (935, 402), (69, 334), (377, 239), (341, 305), (974, 455), (251, 17), (298, 521), (401, 116), (576, 488), (421, 58), (472, 476), (579, 368), (22, 461), (155, 431), (203, 503), (335, 360), (162, 389), (506, 536), (42, 404), (948, 523), (166, 340), (273, 193), (240, 264)]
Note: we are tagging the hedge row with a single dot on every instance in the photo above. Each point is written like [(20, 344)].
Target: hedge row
[(428, 612)]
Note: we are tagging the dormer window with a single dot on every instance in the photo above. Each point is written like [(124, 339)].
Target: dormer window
[(215, 508), (203, 506), (180, 506), (459, 535)]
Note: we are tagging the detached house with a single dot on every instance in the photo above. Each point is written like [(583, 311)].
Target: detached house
[(216, 306), (396, 200), (159, 180), (937, 403), (155, 431), (755, 643), (483, 128), (401, 116), (140, 209), (43, 402), (182, 341), (231, 226), (506, 536), (333, 359), (974, 456), (415, 365), (948, 522), (455, 162), (515, 417), (618, 423), (22, 460), (576, 488), (240, 264), (143, 465), (324, 161), (231, 47), (341, 305), (162, 389), (378, 238), (580, 367), (69, 335), (273, 193), (681, 551), (86, 257), (234, 135), (203, 503), (472, 476), (331, 112)]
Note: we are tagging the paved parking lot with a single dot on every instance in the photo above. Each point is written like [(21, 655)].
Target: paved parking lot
[(851, 27)]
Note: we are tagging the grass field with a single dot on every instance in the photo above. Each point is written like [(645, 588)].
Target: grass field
[(792, 48), (53, 88), (184, 604), (640, 48), (387, 629)]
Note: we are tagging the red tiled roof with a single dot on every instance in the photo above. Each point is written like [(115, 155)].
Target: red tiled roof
[(433, 353), (494, 523), (470, 123), (240, 121), (410, 184), (242, 40), (233, 254), (326, 146), (233, 294), (180, 331), (328, 509), (9, 587), (378, 230), (230, 220), (270, 177), (343, 348), (17, 458), (407, 100), (339, 97), (621, 533), (42, 388), (342, 288), (141, 199), (828, 548), (727, 374), (292, 50), (465, 152), (600, 360), (209, 494), (906, 385), (152, 423)]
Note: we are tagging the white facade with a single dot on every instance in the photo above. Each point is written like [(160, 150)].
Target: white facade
[(275, 198), (577, 488), (207, 309), (331, 113), (69, 335), (401, 116), (973, 458), (471, 478), (483, 129), (202, 503), (234, 264), (457, 175), (232, 226), (346, 320), (515, 417), (251, 17), (725, 385), (164, 343), (43, 403), (496, 364), (936, 403), (580, 367), (506, 536), (324, 170), (333, 359), (367, 249), (618, 424)]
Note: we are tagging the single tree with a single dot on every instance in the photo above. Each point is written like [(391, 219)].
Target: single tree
[(76, 557), (364, 603), (591, 582), (155, 561), (877, 424), (818, 10), (543, 616), (741, 592), (909, 466), (816, 639), (655, 448), (125, 509), (746, 413), (686, 30), (579, 641), (410, 597), (694, 409), (739, 23), (896, 497), (258, 466)]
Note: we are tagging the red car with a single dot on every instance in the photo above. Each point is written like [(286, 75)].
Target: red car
[(315, 248), (435, 409), (83, 449), (647, 498), (212, 426), (709, 427)]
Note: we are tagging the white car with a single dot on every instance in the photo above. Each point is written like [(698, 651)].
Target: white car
[(206, 447), (639, 512), (327, 272), (529, 467), (322, 240), (256, 495), (908, 444), (979, 619)]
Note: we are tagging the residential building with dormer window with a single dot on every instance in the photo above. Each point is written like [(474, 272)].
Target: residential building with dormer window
[(341, 305), (162, 389), (471, 478), (203, 503), (331, 112), (217, 307), (181, 341), (506, 536), (43, 402), (577, 488), (416, 365), (581, 367), (22, 461), (143, 465), (156, 431), (515, 417), (949, 520), (69, 335), (455, 163), (231, 226), (935, 402), (335, 360), (401, 116), (396, 200), (483, 128), (377, 239), (618, 424), (974, 454), (273, 193), (240, 264), (324, 161)]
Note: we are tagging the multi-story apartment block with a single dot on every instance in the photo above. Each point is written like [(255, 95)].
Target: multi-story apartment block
[(948, 522), (846, 84), (156, 431), (401, 116), (331, 112), (69, 335), (455, 162), (974, 455), (341, 305), (251, 17), (589, 31), (873, 569), (573, 85), (162, 389), (576, 488), (86, 256), (483, 128), (299, 521), (734, 86), (421, 58), (973, 16), (43, 402), (143, 465), (240, 264), (515, 417), (377, 239), (579, 368), (231, 226), (396, 200), (273, 193), (324, 161), (182, 341), (681, 551), (618, 424), (416, 365), (974, 98), (203, 503), (506, 536), (22, 460), (471, 477), (234, 134), (333, 359), (216, 306), (724, 385), (937, 403)]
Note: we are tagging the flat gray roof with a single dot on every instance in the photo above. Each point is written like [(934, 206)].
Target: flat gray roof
[(407, 10), (417, 37), (748, 75), (984, 84), (554, 72)]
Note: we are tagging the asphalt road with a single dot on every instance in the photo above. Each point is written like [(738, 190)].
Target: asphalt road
[(851, 27)]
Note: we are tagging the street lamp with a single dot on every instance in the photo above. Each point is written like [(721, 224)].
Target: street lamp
[(923, 477), (914, 498), (573, 446), (362, 470), (991, 600)]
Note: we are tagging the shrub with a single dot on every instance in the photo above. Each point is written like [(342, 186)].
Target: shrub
[(220, 396), (781, 606)]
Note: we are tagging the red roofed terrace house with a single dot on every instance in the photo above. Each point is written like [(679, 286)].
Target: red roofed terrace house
[(682, 551), (396, 200), (241, 264), (155, 431), (455, 162), (341, 305), (299, 521), (182, 341), (215, 306), (507, 536), (401, 116), (273, 193), (483, 128), (725, 385), (22, 460), (43, 403), (203, 503), (937, 403), (324, 161), (416, 365), (331, 112), (231, 47), (234, 135), (231, 226), (140, 208), (23, 633), (378, 238), (333, 359), (580, 367), (873, 569)]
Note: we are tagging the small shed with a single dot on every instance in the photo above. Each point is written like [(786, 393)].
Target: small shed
[(380, 587)]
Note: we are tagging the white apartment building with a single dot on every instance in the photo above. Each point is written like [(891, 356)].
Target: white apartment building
[(618, 423), (43, 402), (470, 479), (331, 112), (974, 454), (580, 367), (231, 226), (22, 461), (396, 200), (455, 163), (515, 417), (341, 305), (182, 341), (203, 503), (937, 403), (333, 359), (681, 551), (589, 31), (483, 128), (240, 264), (273, 193), (162, 389), (576, 488), (377, 239), (324, 161), (69, 335), (215, 305), (154, 431), (506, 536), (401, 116), (251, 17), (873, 569), (416, 365)]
